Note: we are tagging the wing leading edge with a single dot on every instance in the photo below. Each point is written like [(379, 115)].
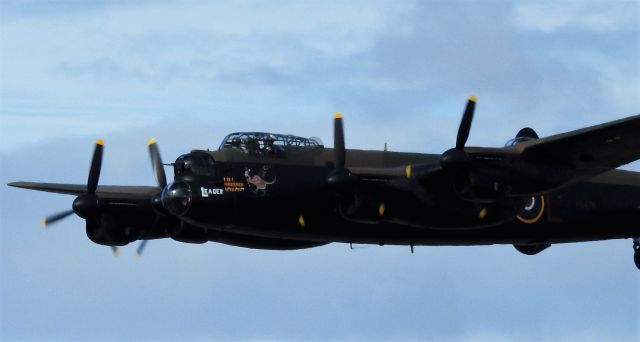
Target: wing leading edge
[(590, 151), (106, 191)]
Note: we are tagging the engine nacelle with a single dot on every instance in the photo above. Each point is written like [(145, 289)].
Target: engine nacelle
[(532, 249), (107, 231), (494, 176)]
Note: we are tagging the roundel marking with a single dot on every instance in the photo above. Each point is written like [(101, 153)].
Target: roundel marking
[(532, 211)]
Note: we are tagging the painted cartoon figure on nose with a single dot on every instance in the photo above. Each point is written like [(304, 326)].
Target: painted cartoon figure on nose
[(258, 181)]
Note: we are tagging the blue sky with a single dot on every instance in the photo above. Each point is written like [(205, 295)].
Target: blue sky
[(189, 72)]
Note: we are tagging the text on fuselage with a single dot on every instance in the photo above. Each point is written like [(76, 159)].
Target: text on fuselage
[(206, 192)]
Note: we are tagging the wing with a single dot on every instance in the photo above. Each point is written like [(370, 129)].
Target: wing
[(103, 191), (541, 165), (590, 151), (126, 206)]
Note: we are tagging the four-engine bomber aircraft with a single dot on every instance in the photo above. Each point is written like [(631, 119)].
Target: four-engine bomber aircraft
[(272, 191)]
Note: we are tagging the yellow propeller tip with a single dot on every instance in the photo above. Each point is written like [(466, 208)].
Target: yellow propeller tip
[(483, 213), (338, 116), (152, 141), (43, 222), (473, 98), (117, 252), (100, 142)]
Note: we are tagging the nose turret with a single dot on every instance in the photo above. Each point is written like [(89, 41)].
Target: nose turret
[(176, 198)]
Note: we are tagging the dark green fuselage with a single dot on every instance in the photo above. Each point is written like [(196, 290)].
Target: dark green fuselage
[(296, 210)]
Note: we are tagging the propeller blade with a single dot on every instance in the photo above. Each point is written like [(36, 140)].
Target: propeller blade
[(51, 219), (96, 164), (141, 247), (339, 153), (115, 250), (465, 124), (156, 163), (339, 177)]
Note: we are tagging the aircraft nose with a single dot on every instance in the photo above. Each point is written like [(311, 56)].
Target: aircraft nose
[(176, 198)]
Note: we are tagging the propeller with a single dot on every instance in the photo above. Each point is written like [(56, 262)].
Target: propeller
[(156, 163), (339, 177), (465, 124), (161, 179), (51, 219), (456, 159), (457, 162), (338, 142), (96, 165), (141, 247), (87, 204)]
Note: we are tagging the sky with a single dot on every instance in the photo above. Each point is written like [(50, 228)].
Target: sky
[(189, 72)]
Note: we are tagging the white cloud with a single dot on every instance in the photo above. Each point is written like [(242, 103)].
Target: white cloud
[(156, 60), (190, 72), (148, 39), (41, 128), (587, 15)]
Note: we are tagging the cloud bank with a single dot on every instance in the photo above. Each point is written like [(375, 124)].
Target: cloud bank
[(190, 72)]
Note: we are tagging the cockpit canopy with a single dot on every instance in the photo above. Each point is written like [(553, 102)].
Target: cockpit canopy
[(268, 143), (517, 140)]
